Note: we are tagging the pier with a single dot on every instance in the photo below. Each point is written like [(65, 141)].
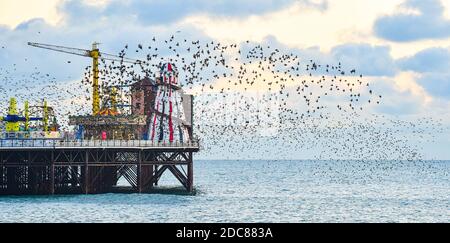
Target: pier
[(46, 166), (136, 136)]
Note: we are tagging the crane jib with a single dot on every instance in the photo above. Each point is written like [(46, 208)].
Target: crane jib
[(85, 53)]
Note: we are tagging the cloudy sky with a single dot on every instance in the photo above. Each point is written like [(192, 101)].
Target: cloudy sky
[(403, 45)]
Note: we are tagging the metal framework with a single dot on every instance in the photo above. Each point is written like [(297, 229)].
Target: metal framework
[(92, 169)]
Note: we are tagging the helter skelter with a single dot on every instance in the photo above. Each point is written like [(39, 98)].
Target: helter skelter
[(168, 122)]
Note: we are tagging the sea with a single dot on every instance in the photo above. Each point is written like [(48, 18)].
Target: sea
[(264, 191)]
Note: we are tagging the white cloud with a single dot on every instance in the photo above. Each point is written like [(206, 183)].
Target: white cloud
[(302, 25), (406, 82), (446, 4), (97, 3), (14, 12)]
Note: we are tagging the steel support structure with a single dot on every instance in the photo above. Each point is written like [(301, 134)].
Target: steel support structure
[(91, 170)]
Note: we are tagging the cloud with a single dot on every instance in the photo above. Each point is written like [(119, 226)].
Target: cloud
[(157, 12), (116, 30), (437, 84), (14, 12), (370, 60), (367, 59), (433, 66), (401, 95), (429, 23), (429, 60), (30, 24)]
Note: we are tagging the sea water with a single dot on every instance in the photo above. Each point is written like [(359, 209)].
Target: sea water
[(265, 191)]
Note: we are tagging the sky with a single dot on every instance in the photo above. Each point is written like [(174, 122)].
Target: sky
[(402, 45)]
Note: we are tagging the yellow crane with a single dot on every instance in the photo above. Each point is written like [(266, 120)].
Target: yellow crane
[(96, 55)]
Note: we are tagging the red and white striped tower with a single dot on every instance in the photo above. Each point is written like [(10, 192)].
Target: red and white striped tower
[(168, 119)]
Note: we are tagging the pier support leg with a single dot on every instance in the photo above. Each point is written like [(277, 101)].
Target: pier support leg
[(52, 174), (74, 176), (156, 172), (139, 173), (86, 173), (11, 180), (32, 180), (190, 173), (150, 174)]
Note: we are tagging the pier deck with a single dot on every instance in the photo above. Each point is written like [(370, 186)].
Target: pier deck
[(69, 167)]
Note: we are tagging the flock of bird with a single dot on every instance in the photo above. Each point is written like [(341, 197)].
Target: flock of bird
[(251, 101)]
